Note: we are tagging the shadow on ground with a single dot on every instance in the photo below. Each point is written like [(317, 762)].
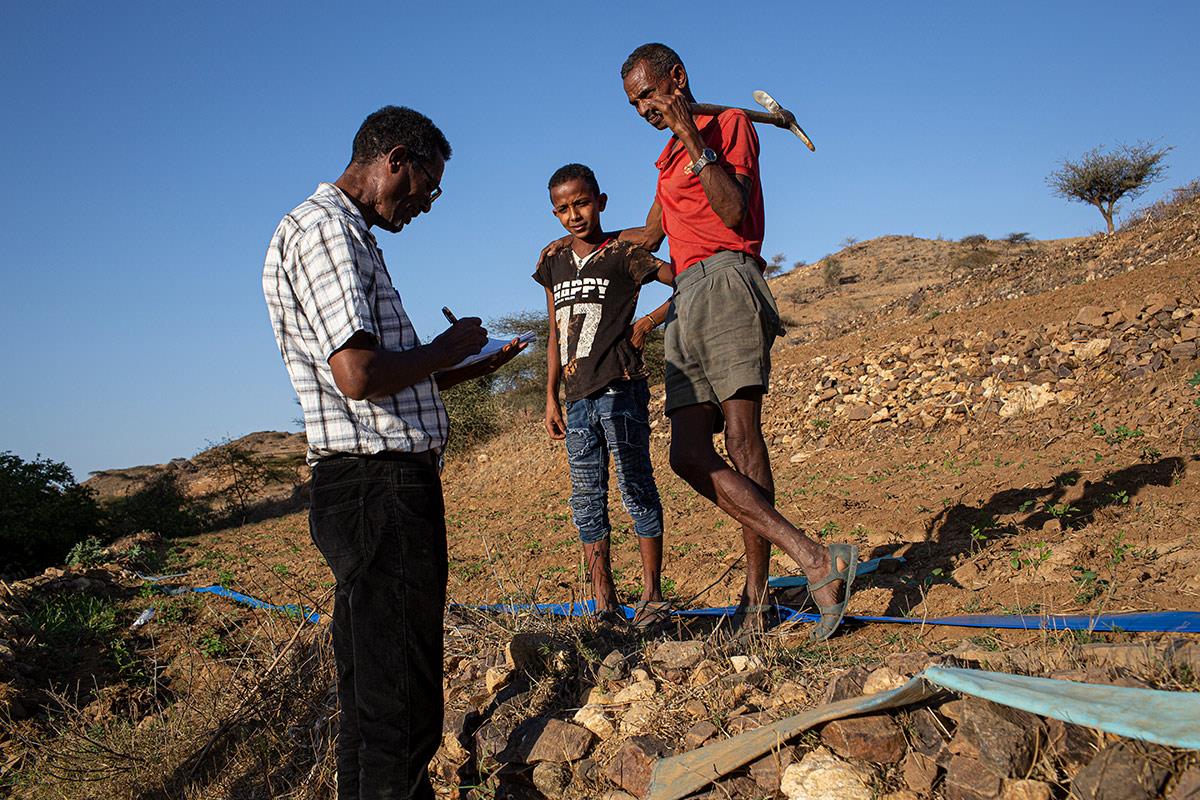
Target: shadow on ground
[(962, 528)]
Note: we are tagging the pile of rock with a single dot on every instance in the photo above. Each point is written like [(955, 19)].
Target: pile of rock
[(631, 710), (933, 378), (1155, 239), (1172, 233), (677, 696)]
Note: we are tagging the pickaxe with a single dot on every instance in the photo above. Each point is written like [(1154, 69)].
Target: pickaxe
[(775, 114)]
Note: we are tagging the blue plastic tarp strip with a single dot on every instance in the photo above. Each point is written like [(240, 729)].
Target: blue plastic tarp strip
[(557, 609), (1135, 622), (1153, 715), (308, 615), (797, 581)]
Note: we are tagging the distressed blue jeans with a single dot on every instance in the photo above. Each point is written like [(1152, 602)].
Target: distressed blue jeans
[(613, 420)]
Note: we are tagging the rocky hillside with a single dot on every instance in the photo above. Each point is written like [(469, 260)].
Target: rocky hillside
[(1019, 422)]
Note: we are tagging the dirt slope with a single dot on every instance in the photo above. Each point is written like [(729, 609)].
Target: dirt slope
[(1018, 421)]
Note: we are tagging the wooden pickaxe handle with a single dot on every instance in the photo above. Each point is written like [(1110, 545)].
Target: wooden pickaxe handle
[(774, 115), (755, 115)]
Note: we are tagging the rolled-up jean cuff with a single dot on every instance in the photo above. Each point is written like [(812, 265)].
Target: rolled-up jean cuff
[(592, 538)]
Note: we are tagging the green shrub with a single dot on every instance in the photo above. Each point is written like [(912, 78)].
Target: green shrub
[(161, 506), (87, 553), (43, 513), (654, 354), (831, 271), (474, 414), (974, 241), (521, 383), (975, 259)]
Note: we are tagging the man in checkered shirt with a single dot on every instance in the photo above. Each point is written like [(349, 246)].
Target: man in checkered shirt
[(376, 428)]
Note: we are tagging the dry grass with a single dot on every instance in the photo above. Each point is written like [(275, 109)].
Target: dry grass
[(255, 720)]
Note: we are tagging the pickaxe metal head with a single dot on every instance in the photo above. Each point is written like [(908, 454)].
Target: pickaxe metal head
[(766, 101)]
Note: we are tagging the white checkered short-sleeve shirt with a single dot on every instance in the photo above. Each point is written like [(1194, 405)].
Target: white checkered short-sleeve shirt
[(324, 280)]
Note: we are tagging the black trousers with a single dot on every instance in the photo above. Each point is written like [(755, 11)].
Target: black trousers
[(380, 524)]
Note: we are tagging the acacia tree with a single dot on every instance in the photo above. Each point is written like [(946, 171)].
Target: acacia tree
[(775, 265), (1102, 178)]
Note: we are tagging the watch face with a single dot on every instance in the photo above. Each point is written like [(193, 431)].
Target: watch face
[(707, 156)]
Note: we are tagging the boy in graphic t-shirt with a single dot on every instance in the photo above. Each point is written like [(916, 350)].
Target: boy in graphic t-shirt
[(591, 294)]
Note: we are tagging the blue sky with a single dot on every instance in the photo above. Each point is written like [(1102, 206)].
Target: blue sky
[(150, 149)]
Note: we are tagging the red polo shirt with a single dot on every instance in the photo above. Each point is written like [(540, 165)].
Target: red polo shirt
[(694, 231)]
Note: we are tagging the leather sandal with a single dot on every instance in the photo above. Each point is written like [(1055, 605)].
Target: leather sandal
[(831, 615), (612, 618), (746, 622), (648, 613)]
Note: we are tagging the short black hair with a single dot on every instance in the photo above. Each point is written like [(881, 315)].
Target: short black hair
[(569, 172), (658, 57), (392, 126)]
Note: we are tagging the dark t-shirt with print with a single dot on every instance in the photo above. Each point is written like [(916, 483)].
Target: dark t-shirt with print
[(593, 308)]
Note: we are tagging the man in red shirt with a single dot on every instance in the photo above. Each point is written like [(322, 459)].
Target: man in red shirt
[(720, 327)]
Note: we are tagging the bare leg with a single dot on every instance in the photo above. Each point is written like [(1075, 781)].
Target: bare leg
[(651, 549), (599, 567), (694, 459), (748, 452)]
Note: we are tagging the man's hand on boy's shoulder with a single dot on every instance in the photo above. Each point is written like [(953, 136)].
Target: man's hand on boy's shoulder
[(640, 330), (554, 248), (555, 426)]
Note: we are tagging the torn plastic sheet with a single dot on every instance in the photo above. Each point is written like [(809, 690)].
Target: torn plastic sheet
[(143, 618), (1154, 715), (157, 578)]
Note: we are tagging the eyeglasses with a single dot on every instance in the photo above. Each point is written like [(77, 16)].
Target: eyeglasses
[(436, 191)]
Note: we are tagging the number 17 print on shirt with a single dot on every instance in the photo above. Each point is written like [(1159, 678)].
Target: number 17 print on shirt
[(595, 297)]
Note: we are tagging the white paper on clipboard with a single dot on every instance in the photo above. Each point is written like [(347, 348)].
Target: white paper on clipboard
[(492, 347)]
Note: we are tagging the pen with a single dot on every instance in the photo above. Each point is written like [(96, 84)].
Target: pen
[(449, 315)]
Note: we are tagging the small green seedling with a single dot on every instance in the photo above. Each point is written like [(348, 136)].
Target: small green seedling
[(1031, 556), (1088, 584), (1123, 432)]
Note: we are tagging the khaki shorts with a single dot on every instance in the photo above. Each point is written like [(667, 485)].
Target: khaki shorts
[(720, 327)]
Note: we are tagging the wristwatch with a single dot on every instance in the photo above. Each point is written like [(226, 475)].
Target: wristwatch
[(707, 156)]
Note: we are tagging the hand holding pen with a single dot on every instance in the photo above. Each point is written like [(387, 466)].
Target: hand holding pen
[(465, 337), (497, 359)]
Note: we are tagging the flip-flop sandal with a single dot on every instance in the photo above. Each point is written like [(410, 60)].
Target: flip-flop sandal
[(831, 615), (649, 613), (740, 630), (612, 618)]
